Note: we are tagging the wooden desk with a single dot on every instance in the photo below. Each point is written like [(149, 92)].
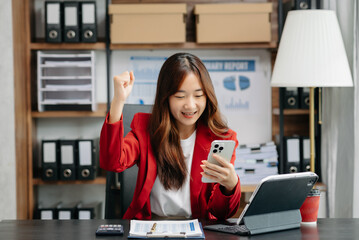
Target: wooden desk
[(85, 230)]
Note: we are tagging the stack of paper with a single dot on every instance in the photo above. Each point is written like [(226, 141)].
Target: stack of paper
[(255, 162), (166, 229)]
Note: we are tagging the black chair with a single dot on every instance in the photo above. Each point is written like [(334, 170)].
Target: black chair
[(120, 187)]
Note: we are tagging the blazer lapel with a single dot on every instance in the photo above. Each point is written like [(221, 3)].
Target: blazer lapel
[(151, 167)]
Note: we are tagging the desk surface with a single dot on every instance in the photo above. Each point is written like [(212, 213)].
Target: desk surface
[(85, 229)]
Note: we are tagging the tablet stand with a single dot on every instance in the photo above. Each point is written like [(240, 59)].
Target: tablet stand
[(275, 221)]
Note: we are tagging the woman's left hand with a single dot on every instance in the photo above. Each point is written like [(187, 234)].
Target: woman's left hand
[(224, 174)]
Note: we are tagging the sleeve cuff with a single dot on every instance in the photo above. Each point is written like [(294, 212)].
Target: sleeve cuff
[(234, 191), (107, 120)]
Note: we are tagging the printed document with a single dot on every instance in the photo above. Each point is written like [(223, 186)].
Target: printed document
[(166, 228)]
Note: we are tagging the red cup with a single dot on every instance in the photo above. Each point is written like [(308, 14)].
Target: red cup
[(310, 207)]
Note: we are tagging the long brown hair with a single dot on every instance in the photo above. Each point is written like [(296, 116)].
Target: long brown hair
[(165, 139)]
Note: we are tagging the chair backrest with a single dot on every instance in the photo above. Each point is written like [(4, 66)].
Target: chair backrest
[(120, 187)]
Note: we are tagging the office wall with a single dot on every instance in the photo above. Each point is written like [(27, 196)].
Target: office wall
[(7, 128)]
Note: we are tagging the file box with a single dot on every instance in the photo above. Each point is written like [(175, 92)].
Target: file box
[(233, 23), (147, 23)]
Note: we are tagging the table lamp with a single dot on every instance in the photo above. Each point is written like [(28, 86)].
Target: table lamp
[(311, 54)]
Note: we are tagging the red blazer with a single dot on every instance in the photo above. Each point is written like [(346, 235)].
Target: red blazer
[(117, 153)]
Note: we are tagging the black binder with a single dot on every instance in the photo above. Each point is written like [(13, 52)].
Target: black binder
[(88, 22), (46, 212), (305, 154), (71, 22), (304, 98), (67, 159), (53, 22), (89, 210), (86, 166), (291, 98), (49, 160), (302, 4), (292, 154)]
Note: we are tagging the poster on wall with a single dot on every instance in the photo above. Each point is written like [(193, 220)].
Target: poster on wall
[(242, 87), (241, 79)]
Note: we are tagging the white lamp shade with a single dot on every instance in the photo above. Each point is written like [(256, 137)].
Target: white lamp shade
[(311, 52)]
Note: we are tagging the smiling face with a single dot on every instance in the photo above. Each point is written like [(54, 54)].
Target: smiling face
[(187, 105)]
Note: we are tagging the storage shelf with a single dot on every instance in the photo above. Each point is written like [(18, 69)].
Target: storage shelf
[(98, 180), (187, 45), (291, 111), (193, 45), (65, 89), (101, 112), (41, 45), (250, 188)]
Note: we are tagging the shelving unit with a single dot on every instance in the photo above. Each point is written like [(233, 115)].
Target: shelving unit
[(100, 112), (193, 45), (67, 46), (288, 112), (296, 122), (26, 115), (98, 180), (251, 188)]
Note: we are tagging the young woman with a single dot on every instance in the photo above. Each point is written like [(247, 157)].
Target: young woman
[(171, 145)]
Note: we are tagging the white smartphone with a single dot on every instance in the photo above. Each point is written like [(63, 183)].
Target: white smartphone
[(223, 148)]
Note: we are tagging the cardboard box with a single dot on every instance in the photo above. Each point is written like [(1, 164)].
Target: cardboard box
[(147, 23), (233, 23)]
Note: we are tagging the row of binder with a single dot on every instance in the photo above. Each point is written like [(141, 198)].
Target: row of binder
[(66, 211), (70, 21), (68, 159), (296, 154), (295, 98)]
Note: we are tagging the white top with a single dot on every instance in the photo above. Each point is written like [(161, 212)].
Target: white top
[(175, 202)]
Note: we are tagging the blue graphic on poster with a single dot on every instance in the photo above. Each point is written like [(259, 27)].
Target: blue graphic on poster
[(229, 83)]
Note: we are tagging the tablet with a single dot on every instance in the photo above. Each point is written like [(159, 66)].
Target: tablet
[(273, 206), (279, 193)]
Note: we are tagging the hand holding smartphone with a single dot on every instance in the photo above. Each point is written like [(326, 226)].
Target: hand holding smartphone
[(223, 148)]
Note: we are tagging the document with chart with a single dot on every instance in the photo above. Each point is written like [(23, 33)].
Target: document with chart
[(166, 229)]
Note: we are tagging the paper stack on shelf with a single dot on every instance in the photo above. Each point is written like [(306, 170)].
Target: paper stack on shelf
[(66, 80), (255, 162)]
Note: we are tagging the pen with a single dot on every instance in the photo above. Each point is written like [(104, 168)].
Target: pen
[(153, 228)]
